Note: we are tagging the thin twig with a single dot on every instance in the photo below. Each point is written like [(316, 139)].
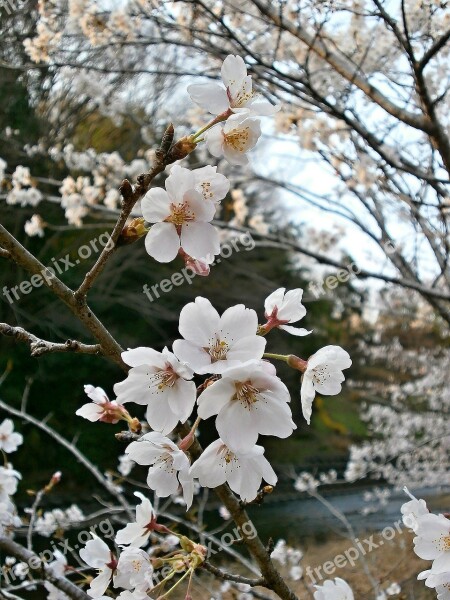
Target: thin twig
[(230, 577)]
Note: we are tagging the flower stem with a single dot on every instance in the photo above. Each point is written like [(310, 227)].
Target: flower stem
[(283, 357), (222, 117)]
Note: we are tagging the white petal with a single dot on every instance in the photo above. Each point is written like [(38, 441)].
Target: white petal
[(215, 397), (155, 205), (142, 356), (162, 242), (298, 331), (200, 240), (199, 321), (192, 354), (307, 397), (233, 72), (210, 96), (237, 428), (179, 182), (215, 141), (92, 412)]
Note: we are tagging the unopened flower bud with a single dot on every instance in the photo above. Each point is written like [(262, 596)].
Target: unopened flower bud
[(134, 230), (181, 149)]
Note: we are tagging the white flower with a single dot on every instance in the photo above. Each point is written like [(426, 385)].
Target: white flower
[(440, 581), (412, 510), (134, 570), (232, 140), (306, 482), (181, 218), (169, 466), (323, 375), (248, 401), (9, 440), (393, 589), (35, 226), (8, 483), (283, 307), (213, 343), (8, 519), (125, 465), (237, 94), (243, 472), (333, 590), (279, 552), (137, 534), (212, 185), (224, 513), (159, 381), (433, 541), (97, 555), (101, 409)]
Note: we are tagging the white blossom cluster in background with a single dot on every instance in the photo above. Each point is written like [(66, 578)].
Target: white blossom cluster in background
[(409, 442)]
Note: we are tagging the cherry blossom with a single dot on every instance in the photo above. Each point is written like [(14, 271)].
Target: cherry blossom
[(212, 185), (248, 401), (159, 381), (8, 519), (212, 343), (242, 471), (9, 439), (169, 466), (232, 140), (334, 590), (101, 408), (412, 511), (138, 533), (432, 541), (134, 570), (324, 375), (8, 483), (58, 567), (237, 94), (282, 308), (181, 217), (97, 555), (439, 581)]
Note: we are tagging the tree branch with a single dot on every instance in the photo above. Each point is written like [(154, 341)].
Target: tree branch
[(230, 577), (12, 548), (39, 347)]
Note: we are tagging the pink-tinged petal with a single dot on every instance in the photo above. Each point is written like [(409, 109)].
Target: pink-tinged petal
[(136, 387), (92, 412), (179, 182), (143, 356), (215, 141), (199, 321), (133, 534), (236, 426), (143, 453), (274, 300), (192, 354), (200, 240), (155, 205), (273, 418), (298, 331), (215, 397), (162, 242), (307, 396), (97, 394), (210, 96), (233, 72), (262, 108)]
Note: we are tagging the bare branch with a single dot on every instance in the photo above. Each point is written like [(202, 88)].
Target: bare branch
[(12, 548), (230, 577), (39, 347)]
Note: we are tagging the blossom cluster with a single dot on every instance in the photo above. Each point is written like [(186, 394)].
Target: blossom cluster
[(242, 391)]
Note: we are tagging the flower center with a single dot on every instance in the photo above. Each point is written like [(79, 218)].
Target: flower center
[(218, 350), (246, 393), (206, 190), (164, 378), (241, 98), (136, 564), (321, 374), (238, 138), (180, 213), (445, 543)]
